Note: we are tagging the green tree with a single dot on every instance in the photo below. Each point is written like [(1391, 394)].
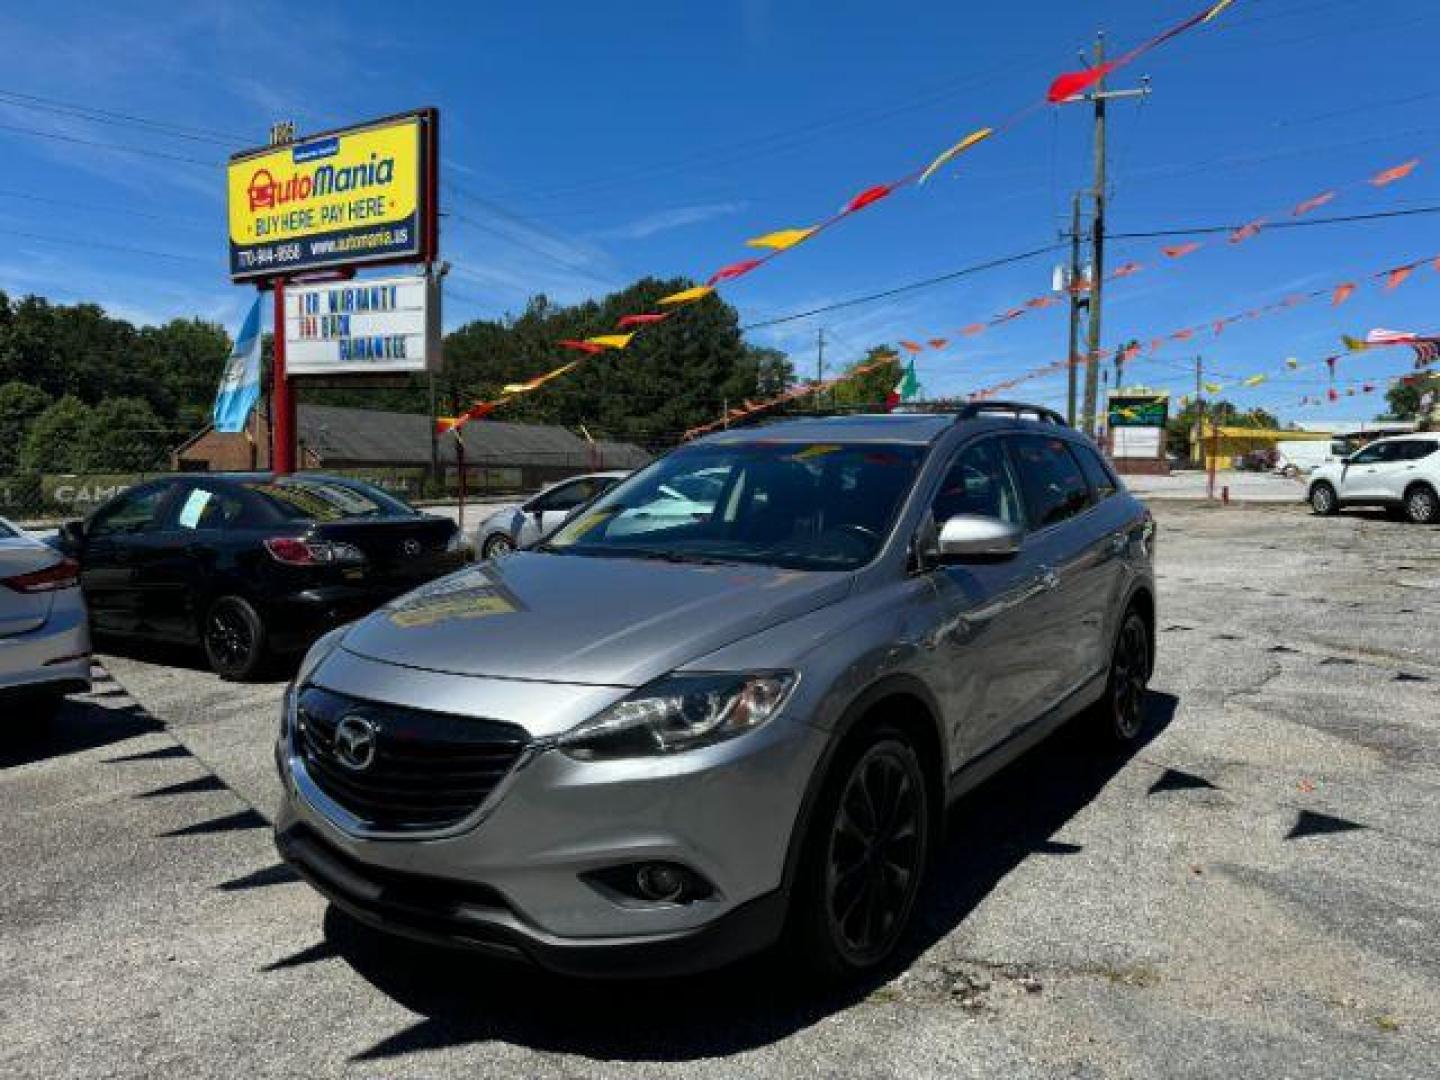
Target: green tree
[(1225, 413), (125, 435), (1404, 398), (57, 440), (873, 387), (20, 404)]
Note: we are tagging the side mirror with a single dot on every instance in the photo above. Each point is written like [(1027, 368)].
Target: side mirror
[(976, 538), (72, 534)]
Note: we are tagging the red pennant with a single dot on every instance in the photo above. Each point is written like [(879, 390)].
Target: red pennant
[(866, 197), (1073, 83), (1399, 172), (1155, 344), (912, 346), (1312, 203), (581, 346), (1218, 326), (1126, 270), (973, 329), (1013, 313), (734, 270), (649, 319), (939, 342), (1245, 232), (1395, 278), (1332, 395), (1179, 251), (482, 409), (1183, 335), (1342, 293)]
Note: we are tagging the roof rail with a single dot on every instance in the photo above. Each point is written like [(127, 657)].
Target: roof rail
[(1017, 409)]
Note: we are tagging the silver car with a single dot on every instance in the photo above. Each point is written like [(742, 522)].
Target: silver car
[(44, 632), (659, 751), (517, 524)]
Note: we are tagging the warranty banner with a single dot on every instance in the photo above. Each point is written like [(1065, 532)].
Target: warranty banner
[(348, 197)]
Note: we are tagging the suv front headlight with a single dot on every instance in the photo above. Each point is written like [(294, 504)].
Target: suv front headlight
[(680, 712)]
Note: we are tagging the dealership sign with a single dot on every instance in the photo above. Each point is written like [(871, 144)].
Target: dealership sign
[(361, 195), (1137, 424), (377, 325)]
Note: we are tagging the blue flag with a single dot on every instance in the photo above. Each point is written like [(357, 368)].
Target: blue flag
[(240, 385)]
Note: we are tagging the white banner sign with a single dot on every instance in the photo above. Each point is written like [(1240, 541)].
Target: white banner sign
[(374, 326), (1136, 442)]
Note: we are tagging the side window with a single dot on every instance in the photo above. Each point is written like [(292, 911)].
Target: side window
[(134, 512), (1422, 448), (206, 508), (978, 482), (1374, 454), (566, 496), (1101, 480), (1052, 484)]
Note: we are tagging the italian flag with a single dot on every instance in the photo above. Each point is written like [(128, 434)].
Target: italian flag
[(907, 389)]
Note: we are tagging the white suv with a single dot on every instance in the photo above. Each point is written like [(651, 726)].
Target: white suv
[(1400, 473)]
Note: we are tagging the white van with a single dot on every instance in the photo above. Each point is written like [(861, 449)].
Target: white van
[(1300, 457)]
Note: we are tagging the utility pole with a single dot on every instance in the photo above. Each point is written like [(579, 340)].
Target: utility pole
[(1098, 98), (1198, 439), (1076, 301), (819, 364)]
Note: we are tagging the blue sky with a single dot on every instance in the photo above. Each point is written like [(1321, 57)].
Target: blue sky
[(586, 144)]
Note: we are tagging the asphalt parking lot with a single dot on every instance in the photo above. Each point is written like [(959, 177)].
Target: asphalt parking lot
[(1254, 892)]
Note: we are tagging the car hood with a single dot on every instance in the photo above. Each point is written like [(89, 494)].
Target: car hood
[(578, 619)]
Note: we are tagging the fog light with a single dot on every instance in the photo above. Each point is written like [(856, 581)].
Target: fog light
[(651, 883)]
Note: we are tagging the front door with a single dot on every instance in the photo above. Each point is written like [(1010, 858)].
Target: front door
[(110, 554), (1371, 472)]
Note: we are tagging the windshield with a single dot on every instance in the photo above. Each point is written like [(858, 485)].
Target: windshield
[(328, 500), (804, 506)]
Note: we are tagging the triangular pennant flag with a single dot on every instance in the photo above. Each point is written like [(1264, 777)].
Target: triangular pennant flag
[(1155, 345), (973, 329), (446, 423), (1126, 270), (539, 380), (1245, 232), (1254, 380), (1074, 83), (1213, 387), (1183, 335), (1217, 9), (780, 239), (580, 346), (687, 296), (959, 148), (938, 342), (867, 197), (734, 270), (1292, 363), (1399, 172), (1395, 278), (1179, 251), (649, 319), (610, 341), (912, 346), (1041, 302), (1312, 203), (481, 409), (1332, 395), (1342, 293)]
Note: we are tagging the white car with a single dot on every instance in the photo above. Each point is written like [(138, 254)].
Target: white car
[(1401, 473), (516, 524), (44, 628), (1300, 457)]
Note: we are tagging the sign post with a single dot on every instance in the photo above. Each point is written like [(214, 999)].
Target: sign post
[(282, 399)]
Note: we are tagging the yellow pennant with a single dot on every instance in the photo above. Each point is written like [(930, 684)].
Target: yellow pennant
[(1216, 10), (959, 148), (684, 296), (611, 341), (1254, 380), (780, 239), (1292, 363), (541, 380), (1213, 388)]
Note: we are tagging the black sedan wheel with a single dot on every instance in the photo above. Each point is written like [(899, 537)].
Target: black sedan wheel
[(867, 855), (1121, 713), (234, 638)]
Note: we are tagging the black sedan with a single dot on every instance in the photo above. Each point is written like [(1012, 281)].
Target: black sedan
[(251, 565)]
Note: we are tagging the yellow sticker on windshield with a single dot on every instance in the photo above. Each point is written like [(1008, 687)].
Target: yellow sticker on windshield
[(589, 522), (818, 450)]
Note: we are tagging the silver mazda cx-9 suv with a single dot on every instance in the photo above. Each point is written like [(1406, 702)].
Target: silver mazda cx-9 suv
[(654, 750)]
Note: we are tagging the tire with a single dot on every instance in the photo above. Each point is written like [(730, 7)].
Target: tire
[(1422, 505), (498, 545), (234, 637), (1323, 500), (1120, 714), (851, 905)]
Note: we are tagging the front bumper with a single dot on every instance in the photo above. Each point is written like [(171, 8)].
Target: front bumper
[(726, 812), (451, 914)]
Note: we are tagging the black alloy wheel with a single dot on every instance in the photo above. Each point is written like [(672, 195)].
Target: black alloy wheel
[(875, 854), (1124, 703), (234, 638)]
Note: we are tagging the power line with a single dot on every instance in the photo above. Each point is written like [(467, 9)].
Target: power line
[(1299, 224), (938, 279), (140, 151), (37, 103), (94, 244), (167, 218)]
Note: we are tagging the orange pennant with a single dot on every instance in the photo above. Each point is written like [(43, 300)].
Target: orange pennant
[(1313, 203), (1126, 270), (912, 346), (939, 342), (973, 329), (1245, 232), (446, 423), (1155, 344), (1179, 251), (1395, 278), (1399, 172), (1041, 302), (1183, 335)]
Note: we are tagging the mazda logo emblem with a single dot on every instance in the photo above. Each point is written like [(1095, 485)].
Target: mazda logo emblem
[(355, 740), (411, 547)]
